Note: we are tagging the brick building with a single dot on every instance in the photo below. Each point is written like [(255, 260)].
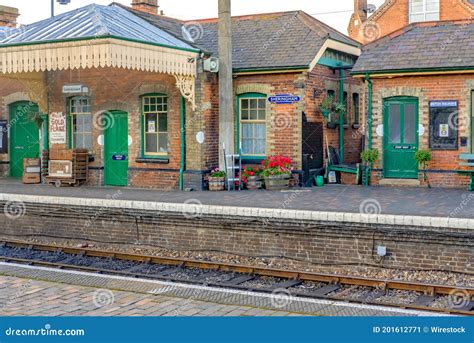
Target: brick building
[(421, 82), (133, 91), (393, 15)]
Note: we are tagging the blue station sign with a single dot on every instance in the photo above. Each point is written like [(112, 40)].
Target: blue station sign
[(443, 103), (119, 157), (284, 99)]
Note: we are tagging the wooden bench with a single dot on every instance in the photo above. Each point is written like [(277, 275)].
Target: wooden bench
[(333, 164), (469, 158)]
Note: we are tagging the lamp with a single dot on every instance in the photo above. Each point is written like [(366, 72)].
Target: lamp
[(61, 2)]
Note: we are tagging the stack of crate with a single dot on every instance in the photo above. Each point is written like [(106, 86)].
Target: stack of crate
[(31, 170), (67, 166)]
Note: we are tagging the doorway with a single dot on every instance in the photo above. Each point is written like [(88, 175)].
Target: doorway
[(116, 149)]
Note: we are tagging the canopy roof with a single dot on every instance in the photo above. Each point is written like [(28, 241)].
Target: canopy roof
[(95, 36), (93, 21)]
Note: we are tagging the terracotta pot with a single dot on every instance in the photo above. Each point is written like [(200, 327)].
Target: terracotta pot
[(254, 182), (216, 183), (277, 182)]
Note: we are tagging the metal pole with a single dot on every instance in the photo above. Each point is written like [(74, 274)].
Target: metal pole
[(226, 108), (52, 8)]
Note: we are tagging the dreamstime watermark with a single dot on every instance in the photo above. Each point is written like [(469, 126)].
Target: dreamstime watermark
[(281, 121), (371, 31), (102, 210), (370, 206), (462, 205), (103, 120), (14, 209), (455, 35), (456, 121), (18, 294), (103, 298), (459, 298), (280, 32), (281, 298), (192, 31), (192, 209)]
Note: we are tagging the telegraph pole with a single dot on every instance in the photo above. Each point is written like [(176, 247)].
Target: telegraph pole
[(226, 108)]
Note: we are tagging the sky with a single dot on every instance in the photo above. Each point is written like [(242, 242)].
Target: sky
[(34, 10)]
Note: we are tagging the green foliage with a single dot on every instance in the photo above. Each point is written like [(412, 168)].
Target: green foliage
[(217, 173), (423, 157), (327, 103), (370, 155)]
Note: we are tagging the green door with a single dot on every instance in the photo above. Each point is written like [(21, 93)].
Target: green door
[(472, 122), (400, 138), (24, 135), (116, 149)]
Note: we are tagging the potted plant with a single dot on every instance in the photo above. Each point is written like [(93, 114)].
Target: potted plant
[(423, 157), (277, 172), (369, 157), (217, 180), (326, 106), (252, 178)]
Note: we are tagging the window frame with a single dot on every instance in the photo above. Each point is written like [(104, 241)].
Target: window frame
[(70, 122), (424, 12), (354, 107), (239, 99), (144, 153)]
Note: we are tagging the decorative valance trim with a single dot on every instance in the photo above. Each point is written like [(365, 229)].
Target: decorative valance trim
[(97, 53)]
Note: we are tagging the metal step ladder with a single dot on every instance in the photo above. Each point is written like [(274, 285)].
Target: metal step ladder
[(233, 168)]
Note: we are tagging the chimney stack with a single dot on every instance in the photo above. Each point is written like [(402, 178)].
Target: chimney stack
[(360, 7), (147, 6), (8, 16)]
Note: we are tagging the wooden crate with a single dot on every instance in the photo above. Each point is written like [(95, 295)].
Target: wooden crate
[(62, 169), (68, 172), (31, 170)]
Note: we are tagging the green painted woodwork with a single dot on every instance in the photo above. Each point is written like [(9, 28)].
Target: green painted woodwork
[(400, 137), (116, 149), (24, 136), (472, 121)]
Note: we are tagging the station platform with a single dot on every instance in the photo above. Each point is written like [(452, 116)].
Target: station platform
[(380, 201), (417, 229)]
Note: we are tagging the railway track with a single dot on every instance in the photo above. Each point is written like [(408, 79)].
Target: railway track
[(370, 291)]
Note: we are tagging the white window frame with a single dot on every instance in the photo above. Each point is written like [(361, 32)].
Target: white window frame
[(424, 12), (252, 121), (73, 115)]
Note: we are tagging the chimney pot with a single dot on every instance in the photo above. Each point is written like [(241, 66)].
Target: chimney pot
[(8, 16), (147, 6)]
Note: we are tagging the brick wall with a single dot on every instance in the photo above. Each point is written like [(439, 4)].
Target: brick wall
[(306, 241), (396, 16), (427, 88)]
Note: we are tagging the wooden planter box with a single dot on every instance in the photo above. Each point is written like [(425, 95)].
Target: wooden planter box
[(254, 182), (216, 183), (277, 182)]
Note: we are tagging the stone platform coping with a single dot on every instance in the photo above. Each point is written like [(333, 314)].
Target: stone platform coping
[(193, 208)]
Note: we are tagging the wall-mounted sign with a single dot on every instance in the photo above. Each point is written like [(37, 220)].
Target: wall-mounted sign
[(119, 157), (443, 130), (379, 130), (444, 125), (151, 126), (73, 89), (284, 99), (57, 128), (421, 130), (3, 137)]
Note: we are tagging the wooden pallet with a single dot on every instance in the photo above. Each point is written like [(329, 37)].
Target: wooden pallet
[(80, 164)]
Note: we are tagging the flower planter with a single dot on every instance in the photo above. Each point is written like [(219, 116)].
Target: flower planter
[(216, 183), (254, 182), (277, 182)]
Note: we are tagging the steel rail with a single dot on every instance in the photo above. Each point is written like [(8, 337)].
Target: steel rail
[(383, 284)]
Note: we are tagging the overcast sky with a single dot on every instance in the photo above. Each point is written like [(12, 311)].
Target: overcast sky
[(34, 10)]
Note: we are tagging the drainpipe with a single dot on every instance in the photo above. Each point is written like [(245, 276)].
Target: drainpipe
[(341, 117), (369, 109), (182, 167), (369, 123)]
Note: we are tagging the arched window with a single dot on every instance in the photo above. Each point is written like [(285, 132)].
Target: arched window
[(81, 122), (424, 10), (155, 125), (252, 114)]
